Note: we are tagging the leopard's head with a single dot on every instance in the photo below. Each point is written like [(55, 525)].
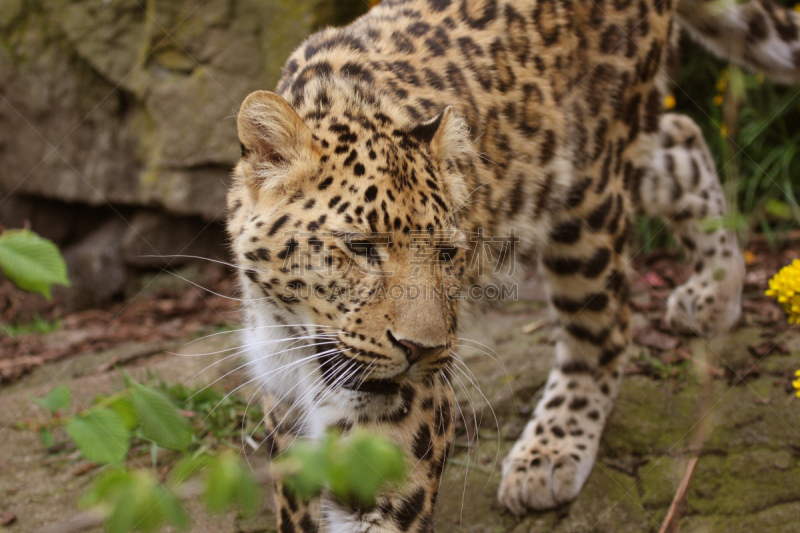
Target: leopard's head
[(344, 230)]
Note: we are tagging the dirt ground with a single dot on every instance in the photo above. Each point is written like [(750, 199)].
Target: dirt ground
[(727, 400)]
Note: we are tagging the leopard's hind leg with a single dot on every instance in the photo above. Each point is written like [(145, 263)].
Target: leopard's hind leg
[(682, 186)]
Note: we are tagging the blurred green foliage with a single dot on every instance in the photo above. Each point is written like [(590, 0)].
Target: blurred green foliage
[(199, 439), (758, 163)]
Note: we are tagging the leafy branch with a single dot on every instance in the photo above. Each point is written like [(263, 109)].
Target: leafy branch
[(32, 263), (351, 469)]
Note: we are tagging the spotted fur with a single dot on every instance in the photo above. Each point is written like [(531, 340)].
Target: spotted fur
[(395, 152)]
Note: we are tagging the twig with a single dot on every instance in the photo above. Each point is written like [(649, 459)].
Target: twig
[(678, 504), (696, 441), (97, 515)]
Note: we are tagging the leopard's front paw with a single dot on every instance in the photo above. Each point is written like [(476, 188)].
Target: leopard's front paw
[(544, 470)]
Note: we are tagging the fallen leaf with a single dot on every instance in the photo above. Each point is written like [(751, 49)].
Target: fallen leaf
[(86, 467), (7, 518), (767, 348), (656, 339)]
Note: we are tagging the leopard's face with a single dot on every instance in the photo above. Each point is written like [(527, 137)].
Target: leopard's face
[(347, 239)]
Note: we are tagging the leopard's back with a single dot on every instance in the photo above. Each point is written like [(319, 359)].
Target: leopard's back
[(554, 93)]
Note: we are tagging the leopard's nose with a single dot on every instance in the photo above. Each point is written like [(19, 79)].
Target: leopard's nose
[(416, 352)]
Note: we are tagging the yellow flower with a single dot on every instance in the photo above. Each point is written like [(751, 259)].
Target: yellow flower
[(723, 130), (796, 382), (669, 102), (719, 99), (749, 257), (785, 288)]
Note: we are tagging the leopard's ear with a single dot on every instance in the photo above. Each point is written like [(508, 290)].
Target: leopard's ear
[(270, 130), (447, 134)]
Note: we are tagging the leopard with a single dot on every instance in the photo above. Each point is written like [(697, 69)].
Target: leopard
[(423, 151)]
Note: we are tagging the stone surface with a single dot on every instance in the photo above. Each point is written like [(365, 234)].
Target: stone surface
[(116, 102), (95, 268), (156, 239)]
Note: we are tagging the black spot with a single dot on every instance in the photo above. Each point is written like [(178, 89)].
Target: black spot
[(307, 524), (577, 192), (350, 158), (339, 40), (576, 367), (409, 509), (653, 107), (562, 265), (371, 193), (423, 444), (584, 334), (595, 302), (325, 183), (567, 232), (359, 169), (578, 403), (418, 29), (558, 432), (597, 218), (597, 264), (291, 246), (354, 70), (277, 225), (286, 521), (555, 402), (489, 14), (548, 147)]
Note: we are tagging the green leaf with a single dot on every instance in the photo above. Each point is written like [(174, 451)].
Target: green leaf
[(354, 469), (136, 501), (161, 422), (106, 486), (124, 408), (229, 482), (56, 400), (778, 209), (361, 465), (188, 468), (46, 436), (32, 263), (100, 435), (307, 468)]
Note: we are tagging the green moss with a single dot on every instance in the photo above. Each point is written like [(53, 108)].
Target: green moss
[(778, 519), (658, 480), (744, 483)]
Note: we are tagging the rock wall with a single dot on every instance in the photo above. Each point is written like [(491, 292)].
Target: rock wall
[(134, 101)]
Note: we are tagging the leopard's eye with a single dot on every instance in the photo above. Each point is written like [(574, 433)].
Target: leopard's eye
[(447, 254)]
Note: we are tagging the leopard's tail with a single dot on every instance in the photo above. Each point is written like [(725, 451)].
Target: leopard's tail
[(758, 34)]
